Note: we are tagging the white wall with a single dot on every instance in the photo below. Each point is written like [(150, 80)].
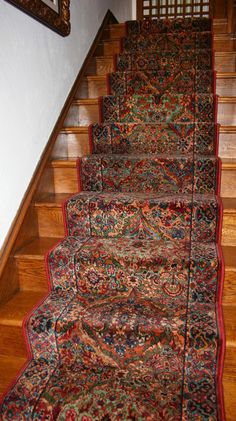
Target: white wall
[(37, 69)]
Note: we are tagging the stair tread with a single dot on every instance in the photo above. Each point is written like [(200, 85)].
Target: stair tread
[(227, 129), (64, 162), (13, 311), (75, 129), (58, 198), (97, 77), (226, 99), (224, 75), (228, 163), (85, 101), (36, 248)]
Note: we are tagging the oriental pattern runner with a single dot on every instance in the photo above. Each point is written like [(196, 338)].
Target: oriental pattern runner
[(132, 326)]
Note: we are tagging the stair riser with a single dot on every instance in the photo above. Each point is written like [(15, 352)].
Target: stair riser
[(12, 341), (104, 65), (226, 86), (229, 229), (132, 174), (117, 31), (112, 47), (227, 114), (51, 224), (82, 115), (92, 88), (154, 109), (227, 145), (71, 145), (224, 45), (152, 82), (229, 295), (65, 180), (228, 183), (225, 63), (32, 275)]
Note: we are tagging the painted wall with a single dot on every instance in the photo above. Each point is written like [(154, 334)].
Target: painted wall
[(37, 70)]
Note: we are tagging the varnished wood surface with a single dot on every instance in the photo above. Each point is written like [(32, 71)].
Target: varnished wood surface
[(225, 61), (228, 178), (104, 65), (226, 84), (111, 47), (82, 112), (31, 264), (9, 367), (14, 310), (227, 111)]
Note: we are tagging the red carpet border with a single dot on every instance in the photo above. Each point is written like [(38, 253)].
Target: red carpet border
[(132, 326)]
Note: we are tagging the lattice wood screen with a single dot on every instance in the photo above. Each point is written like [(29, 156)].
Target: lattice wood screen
[(173, 8)]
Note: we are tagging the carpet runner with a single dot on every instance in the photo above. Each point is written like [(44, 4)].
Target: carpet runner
[(132, 326)]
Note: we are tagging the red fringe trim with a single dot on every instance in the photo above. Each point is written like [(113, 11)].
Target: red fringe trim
[(78, 166), (100, 108), (108, 84)]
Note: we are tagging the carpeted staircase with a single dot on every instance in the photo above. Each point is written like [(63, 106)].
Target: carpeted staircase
[(132, 327)]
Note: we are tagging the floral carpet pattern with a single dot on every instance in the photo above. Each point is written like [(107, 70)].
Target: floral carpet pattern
[(131, 329)]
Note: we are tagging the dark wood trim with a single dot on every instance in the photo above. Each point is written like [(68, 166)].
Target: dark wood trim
[(58, 21), (24, 227), (139, 9)]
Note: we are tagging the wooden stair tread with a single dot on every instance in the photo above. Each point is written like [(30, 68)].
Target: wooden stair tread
[(13, 311), (228, 163), (117, 25), (9, 367), (84, 129), (225, 75), (64, 162), (76, 129), (37, 248), (226, 99), (227, 129), (58, 198), (85, 101), (96, 77), (223, 53)]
